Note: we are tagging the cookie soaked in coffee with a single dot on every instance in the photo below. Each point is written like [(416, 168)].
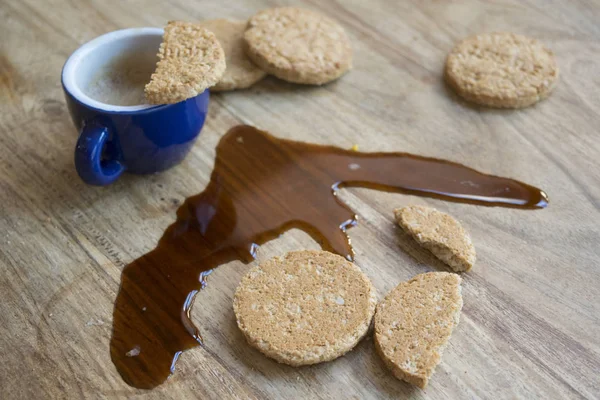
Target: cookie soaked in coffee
[(260, 187)]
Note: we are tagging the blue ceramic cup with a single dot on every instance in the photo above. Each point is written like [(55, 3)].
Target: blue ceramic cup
[(140, 139)]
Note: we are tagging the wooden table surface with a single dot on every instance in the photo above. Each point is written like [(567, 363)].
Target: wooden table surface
[(530, 326)]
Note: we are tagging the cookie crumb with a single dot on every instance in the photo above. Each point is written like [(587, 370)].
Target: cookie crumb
[(133, 352)]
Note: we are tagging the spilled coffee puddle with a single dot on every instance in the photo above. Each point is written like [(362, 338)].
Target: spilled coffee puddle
[(260, 187)]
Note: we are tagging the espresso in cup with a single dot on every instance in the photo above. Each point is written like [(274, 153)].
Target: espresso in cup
[(121, 81), (104, 82)]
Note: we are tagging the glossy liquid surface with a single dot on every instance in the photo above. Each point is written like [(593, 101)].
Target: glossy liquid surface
[(260, 187)]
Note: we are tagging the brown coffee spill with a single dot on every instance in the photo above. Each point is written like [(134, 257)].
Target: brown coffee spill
[(262, 186)]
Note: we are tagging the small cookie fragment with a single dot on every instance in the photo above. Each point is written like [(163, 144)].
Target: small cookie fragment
[(439, 233), (413, 324), (190, 61), (240, 73), (502, 69), (298, 45), (305, 307)]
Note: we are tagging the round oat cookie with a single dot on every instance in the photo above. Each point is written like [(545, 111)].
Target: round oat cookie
[(305, 307), (190, 60), (298, 45), (503, 70), (240, 73)]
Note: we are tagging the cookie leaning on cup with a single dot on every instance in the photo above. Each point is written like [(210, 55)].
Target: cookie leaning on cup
[(190, 61), (298, 45)]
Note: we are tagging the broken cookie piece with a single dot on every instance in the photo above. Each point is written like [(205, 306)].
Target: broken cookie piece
[(413, 324), (190, 61), (439, 233)]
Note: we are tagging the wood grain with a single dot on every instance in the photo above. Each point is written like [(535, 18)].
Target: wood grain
[(531, 321)]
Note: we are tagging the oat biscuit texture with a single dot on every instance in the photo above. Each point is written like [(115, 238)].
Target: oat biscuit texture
[(298, 45), (439, 233), (241, 72), (305, 307), (190, 60), (503, 70), (413, 324)]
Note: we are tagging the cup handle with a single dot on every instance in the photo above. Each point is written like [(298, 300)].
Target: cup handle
[(90, 165)]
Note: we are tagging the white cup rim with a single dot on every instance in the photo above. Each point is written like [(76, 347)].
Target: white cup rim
[(72, 63)]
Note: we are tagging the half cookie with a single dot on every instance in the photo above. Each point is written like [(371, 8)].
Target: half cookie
[(298, 45), (305, 307), (414, 322), (240, 73), (439, 233), (501, 70), (190, 61)]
